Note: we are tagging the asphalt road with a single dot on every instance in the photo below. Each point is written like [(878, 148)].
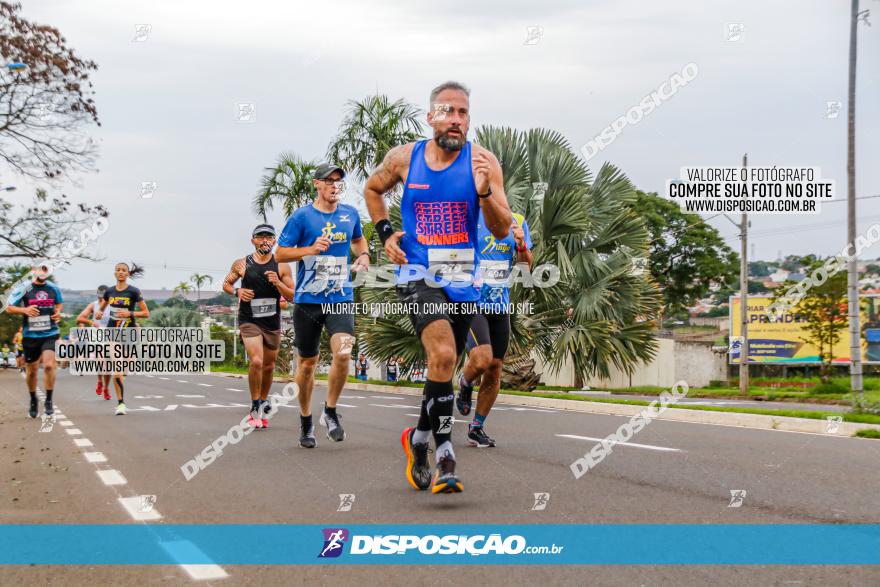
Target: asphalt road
[(730, 403), (673, 473)]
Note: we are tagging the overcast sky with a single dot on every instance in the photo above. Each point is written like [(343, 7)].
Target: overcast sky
[(168, 104)]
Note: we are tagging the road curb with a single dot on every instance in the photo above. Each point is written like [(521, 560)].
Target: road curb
[(741, 420)]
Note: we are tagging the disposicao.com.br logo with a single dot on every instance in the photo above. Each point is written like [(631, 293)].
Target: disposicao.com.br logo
[(431, 544)]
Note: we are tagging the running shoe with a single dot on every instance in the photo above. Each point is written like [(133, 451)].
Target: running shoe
[(106, 393), (418, 473), (120, 409), (445, 480), (254, 419), (478, 437), (334, 428), (48, 408), (34, 408), (307, 437), (99, 389), (463, 399)]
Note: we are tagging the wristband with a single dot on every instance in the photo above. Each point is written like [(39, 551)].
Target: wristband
[(385, 230), (486, 195), (364, 253)]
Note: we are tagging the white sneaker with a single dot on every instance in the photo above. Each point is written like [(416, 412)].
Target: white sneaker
[(120, 409)]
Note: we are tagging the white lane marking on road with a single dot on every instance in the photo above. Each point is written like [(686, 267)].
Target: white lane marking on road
[(500, 409), (111, 477), (182, 381), (187, 395), (186, 550), (66, 423), (170, 407), (82, 442), (614, 442), (345, 406), (150, 376), (206, 385), (381, 397), (74, 431), (133, 506), (145, 409), (397, 406), (232, 389), (95, 457), (454, 420)]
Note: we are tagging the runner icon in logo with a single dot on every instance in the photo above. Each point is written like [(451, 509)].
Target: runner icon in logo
[(334, 540)]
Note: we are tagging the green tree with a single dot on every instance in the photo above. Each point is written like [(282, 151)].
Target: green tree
[(181, 289), (45, 102), (200, 279), (824, 312), (370, 128), (687, 257), (288, 183)]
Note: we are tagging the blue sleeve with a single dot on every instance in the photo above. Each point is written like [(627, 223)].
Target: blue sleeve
[(292, 233), (526, 234), (58, 297), (358, 231)]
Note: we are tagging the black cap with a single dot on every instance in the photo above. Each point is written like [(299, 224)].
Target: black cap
[(263, 229), (324, 170)]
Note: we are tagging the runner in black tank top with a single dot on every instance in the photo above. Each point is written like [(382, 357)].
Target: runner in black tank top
[(263, 282), (263, 310)]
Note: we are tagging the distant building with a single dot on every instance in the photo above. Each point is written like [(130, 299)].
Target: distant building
[(779, 275)]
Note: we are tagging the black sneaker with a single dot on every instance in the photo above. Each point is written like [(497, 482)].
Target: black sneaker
[(307, 438), (463, 399), (445, 480), (334, 428), (478, 437), (418, 473), (32, 412), (48, 408)]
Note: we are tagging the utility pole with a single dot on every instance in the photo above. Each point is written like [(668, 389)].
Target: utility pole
[(855, 341), (744, 300)]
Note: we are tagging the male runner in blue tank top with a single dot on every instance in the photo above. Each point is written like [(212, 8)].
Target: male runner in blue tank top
[(322, 235), (447, 181)]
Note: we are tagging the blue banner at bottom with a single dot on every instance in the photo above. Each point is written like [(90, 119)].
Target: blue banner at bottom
[(552, 544)]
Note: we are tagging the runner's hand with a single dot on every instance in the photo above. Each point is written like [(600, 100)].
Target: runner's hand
[(321, 244), (56, 316), (123, 313), (519, 235), (480, 165), (393, 250), (245, 295), (98, 316), (32, 311), (272, 277), (362, 263)]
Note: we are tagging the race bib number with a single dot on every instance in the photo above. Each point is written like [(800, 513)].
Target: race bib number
[(114, 314), (495, 273), (263, 307), (330, 272), (452, 264), (39, 323)]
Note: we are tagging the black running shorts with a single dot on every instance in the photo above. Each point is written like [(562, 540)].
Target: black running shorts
[(429, 304), (490, 328), (308, 322), (33, 347)]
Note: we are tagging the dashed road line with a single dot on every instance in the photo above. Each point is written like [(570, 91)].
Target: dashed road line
[(82, 442), (616, 443), (111, 477), (95, 457)]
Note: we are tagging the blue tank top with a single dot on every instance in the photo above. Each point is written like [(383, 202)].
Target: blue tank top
[(439, 211)]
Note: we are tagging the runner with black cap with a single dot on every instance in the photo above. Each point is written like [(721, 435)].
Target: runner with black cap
[(40, 306), (88, 317), (263, 278), (447, 181), (322, 236)]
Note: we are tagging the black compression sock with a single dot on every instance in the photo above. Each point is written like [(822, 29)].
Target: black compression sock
[(305, 422), (439, 397), (330, 411), (255, 405), (49, 395)]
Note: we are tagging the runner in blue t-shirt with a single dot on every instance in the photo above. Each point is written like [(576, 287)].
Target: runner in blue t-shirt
[(489, 334), (320, 236), (39, 304), (446, 182)]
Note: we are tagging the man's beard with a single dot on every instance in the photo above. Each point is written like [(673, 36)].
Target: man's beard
[(450, 143), (266, 252)]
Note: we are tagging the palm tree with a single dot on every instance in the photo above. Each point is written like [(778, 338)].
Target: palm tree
[(370, 129), (181, 289), (289, 183), (200, 279)]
